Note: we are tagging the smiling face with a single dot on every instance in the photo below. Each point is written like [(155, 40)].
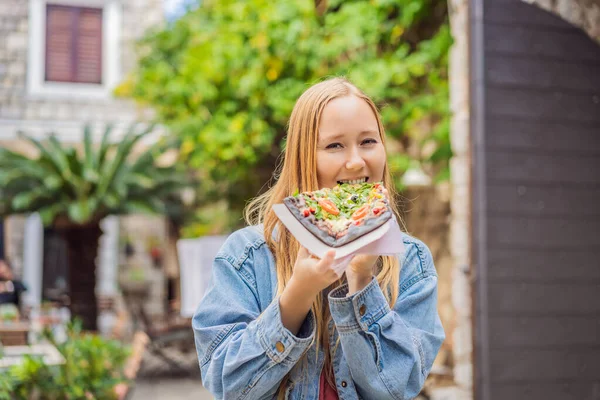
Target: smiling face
[(349, 147)]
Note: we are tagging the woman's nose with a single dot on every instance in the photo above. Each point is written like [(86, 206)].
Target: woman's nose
[(355, 161)]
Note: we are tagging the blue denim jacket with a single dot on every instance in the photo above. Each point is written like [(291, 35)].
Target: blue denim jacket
[(244, 350)]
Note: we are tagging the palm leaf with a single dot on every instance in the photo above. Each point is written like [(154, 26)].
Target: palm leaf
[(104, 146), (61, 157), (89, 158), (30, 168), (88, 185), (110, 174), (26, 201), (146, 160), (10, 176), (15, 187), (82, 211), (53, 182), (142, 206), (45, 157), (50, 212), (142, 180), (8, 156), (75, 164)]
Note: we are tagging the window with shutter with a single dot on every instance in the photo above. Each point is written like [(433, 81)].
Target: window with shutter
[(73, 44)]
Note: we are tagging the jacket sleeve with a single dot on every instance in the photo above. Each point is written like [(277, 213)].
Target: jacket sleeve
[(390, 351), (243, 351)]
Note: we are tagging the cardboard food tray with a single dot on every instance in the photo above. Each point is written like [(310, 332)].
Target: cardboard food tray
[(385, 240)]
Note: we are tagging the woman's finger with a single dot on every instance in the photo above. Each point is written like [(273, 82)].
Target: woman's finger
[(327, 260), (302, 253)]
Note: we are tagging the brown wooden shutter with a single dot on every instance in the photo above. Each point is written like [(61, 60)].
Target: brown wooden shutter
[(89, 46), (59, 48), (73, 44)]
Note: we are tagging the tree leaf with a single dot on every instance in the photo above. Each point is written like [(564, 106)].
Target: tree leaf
[(225, 77)]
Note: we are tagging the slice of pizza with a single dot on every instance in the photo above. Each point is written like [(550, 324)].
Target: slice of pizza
[(344, 213)]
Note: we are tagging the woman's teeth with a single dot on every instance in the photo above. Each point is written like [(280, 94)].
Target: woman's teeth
[(354, 181)]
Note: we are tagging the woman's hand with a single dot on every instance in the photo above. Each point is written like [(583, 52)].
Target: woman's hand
[(360, 272), (310, 276)]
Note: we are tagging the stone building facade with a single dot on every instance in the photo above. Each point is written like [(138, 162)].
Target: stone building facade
[(34, 104), (30, 104), (462, 337)]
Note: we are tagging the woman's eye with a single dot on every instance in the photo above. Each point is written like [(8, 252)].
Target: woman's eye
[(334, 146), (369, 141)]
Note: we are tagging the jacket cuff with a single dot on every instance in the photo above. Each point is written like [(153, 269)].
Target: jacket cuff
[(359, 311), (277, 341)]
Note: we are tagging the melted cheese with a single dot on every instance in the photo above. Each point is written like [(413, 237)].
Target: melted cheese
[(339, 224)]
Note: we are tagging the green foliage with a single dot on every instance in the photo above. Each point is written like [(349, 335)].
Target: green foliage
[(86, 186), (224, 79), (93, 367), (212, 219)]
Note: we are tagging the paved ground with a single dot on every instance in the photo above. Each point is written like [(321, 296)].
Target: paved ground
[(169, 389), (158, 380)]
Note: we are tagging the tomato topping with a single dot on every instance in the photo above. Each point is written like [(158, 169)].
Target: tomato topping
[(357, 223), (361, 212), (328, 206), (313, 210), (306, 212), (376, 211)]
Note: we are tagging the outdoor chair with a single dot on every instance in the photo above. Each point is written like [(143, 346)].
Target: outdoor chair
[(165, 337)]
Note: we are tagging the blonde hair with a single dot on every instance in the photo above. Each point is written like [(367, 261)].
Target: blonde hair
[(298, 172)]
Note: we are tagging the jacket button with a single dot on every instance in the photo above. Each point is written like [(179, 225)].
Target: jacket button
[(362, 310), (280, 347), (344, 384)]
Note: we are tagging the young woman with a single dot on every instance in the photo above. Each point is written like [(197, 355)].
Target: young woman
[(277, 322)]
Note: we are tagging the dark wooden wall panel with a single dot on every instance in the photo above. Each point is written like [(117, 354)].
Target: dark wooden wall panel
[(545, 299), (517, 13), (542, 136), (544, 332), (542, 168), (558, 44), (540, 237), (547, 390), (541, 365), (549, 264), (543, 233), (524, 72), (544, 201), (551, 105)]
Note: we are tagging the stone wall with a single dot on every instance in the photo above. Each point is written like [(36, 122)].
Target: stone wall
[(460, 240), (426, 215), (39, 114), (584, 14)]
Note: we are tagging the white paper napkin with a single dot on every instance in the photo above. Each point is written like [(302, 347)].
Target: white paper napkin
[(385, 240)]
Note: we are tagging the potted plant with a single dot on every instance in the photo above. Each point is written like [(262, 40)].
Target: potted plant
[(74, 190), (92, 367)]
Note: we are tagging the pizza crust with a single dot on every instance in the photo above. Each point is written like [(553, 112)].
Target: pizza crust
[(352, 233)]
